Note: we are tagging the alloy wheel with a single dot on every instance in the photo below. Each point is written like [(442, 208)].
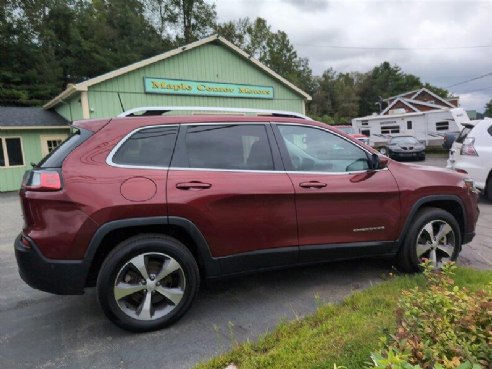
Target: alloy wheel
[(149, 286), (437, 242)]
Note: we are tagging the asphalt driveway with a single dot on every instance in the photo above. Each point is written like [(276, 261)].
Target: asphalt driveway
[(39, 330)]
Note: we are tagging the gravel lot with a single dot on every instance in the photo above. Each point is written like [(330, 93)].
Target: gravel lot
[(39, 330)]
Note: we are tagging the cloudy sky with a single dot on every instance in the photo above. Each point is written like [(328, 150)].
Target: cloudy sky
[(442, 42)]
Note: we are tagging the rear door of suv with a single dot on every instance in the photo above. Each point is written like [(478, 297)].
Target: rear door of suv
[(342, 205), (228, 180)]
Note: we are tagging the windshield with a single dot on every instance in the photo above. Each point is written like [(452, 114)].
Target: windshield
[(404, 141), (347, 130)]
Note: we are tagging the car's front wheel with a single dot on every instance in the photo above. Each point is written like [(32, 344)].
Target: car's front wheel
[(147, 282), (434, 235)]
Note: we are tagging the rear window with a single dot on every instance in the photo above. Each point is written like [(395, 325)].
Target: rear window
[(463, 134), (148, 147), (55, 158)]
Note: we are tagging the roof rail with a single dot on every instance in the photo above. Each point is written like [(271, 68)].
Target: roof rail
[(159, 110)]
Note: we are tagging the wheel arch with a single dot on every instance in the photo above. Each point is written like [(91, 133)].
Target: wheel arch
[(450, 203), (109, 235)]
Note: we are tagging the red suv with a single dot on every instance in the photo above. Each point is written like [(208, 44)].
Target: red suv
[(144, 207)]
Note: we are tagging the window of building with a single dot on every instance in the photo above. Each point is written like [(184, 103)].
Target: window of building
[(2, 154), (11, 154), (50, 143), (366, 132), (390, 130), (234, 147), (409, 124), (442, 126), (364, 123), (149, 147), (316, 150)]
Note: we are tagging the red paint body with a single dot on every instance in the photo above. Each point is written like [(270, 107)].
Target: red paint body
[(240, 211)]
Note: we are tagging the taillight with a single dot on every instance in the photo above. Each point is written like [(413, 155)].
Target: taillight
[(42, 180), (467, 148)]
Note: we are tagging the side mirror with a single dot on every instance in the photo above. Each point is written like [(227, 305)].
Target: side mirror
[(378, 161)]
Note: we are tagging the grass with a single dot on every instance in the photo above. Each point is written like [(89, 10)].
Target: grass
[(343, 334)]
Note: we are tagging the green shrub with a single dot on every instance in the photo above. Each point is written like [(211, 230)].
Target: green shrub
[(440, 326)]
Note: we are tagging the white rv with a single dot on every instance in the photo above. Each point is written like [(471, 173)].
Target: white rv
[(415, 114)]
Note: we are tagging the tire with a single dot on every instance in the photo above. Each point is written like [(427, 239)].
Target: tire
[(447, 248), (383, 150), (489, 188), (141, 303)]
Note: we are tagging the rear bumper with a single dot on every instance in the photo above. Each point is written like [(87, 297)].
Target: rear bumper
[(63, 277)]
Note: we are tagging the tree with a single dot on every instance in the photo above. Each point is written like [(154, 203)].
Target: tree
[(47, 44), (273, 49), (488, 109), (182, 20)]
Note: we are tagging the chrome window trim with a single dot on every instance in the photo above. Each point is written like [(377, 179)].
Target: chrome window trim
[(109, 158), (270, 171)]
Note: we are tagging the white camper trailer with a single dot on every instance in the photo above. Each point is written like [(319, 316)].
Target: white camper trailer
[(413, 113)]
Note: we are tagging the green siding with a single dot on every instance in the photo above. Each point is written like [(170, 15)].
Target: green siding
[(71, 109), (10, 178), (213, 63)]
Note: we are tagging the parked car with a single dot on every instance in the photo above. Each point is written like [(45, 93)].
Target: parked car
[(353, 133), (404, 147), (144, 207), (471, 153), (449, 138)]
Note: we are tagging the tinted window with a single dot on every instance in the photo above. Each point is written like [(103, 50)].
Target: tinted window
[(2, 155), (315, 150), (442, 126), (404, 141), (14, 151), (242, 146), (463, 134), (152, 147), (55, 158), (390, 129)]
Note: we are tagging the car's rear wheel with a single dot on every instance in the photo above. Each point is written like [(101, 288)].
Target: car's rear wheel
[(488, 189), (147, 282), (434, 235)]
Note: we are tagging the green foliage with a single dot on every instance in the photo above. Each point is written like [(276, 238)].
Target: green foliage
[(488, 109), (344, 333), (440, 326), (182, 21), (273, 49), (47, 44)]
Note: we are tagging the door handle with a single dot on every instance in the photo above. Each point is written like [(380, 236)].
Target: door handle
[(312, 184), (193, 185)]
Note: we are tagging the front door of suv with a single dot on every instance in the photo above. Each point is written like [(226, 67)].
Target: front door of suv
[(342, 205), (228, 180)]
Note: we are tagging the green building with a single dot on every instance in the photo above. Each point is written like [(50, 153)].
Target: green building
[(211, 73), (26, 136)]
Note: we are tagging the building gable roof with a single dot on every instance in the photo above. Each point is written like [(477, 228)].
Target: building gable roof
[(437, 97), (83, 86), (399, 99), (11, 117)]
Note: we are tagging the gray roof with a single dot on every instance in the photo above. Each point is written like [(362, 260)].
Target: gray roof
[(30, 117)]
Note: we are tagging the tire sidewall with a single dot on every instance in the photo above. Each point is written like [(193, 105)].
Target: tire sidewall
[(424, 217), (126, 251)]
